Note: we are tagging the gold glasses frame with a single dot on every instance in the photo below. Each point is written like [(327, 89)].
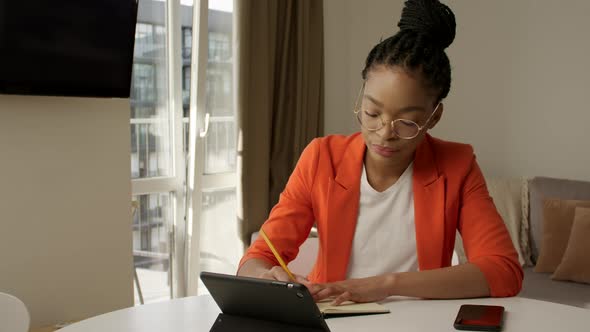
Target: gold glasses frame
[(392, 123)]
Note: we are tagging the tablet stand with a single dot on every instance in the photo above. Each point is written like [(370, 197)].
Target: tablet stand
[(227, 323)]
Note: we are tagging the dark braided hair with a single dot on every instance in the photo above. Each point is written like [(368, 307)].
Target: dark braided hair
[(427, 27)]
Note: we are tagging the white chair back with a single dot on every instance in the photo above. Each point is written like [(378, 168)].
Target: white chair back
[(305, 260), (14, 316)]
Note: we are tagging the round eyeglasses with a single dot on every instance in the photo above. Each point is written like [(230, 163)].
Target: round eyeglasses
[(402, 128)]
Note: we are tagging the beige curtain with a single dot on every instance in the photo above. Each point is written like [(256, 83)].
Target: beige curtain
[(279, 98)]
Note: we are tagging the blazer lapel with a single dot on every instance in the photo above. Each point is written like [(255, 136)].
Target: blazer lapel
[(429, 207), (343, 207)]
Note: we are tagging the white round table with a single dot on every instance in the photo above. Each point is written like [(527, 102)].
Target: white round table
[(197, 314)]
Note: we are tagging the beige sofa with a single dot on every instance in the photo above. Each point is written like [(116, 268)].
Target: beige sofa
[(519, 201)]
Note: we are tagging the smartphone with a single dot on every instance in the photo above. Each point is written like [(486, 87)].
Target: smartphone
[(473, 317)]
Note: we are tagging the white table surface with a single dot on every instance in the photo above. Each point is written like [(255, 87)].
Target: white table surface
[(197, 314)]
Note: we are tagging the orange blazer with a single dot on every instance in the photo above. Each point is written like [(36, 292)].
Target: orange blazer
[(449, 194)]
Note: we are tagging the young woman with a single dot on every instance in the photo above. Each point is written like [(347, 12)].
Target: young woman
[(387, 201)]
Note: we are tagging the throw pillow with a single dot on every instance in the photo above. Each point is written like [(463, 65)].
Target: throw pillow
[(558, 217), (575, 265), (541, 188)]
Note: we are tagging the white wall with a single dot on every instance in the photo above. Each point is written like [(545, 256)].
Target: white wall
[(65, 225), (521, 75)]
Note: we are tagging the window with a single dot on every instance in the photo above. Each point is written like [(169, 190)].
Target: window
[(219, 44), (144, 39), (143, 85), (156, 184), (186, 85), (220, 147), (187, 42), (159, 147)]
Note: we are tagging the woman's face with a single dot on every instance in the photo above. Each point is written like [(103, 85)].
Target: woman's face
[(393, 93)]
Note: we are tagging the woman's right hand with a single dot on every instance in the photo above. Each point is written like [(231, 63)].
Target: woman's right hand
[(277, 273)]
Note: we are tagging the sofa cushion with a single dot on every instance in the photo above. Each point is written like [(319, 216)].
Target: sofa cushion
[(575, 265), (539, 286), (558, 217), (541, 188), (509, 196)]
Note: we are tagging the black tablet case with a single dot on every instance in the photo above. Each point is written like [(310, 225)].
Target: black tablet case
[(250, 304)]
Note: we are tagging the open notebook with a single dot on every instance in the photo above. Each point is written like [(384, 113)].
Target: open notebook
[(351, 308)]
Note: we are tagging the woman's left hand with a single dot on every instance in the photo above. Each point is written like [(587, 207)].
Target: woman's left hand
[(370, 289)]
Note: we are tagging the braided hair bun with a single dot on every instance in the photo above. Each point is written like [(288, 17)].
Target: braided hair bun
[(427, 28), (429, 19)]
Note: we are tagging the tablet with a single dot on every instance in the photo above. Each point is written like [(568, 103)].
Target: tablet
[(245, 302)]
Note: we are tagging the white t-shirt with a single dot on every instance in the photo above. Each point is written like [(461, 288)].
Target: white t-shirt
[(385, 236)]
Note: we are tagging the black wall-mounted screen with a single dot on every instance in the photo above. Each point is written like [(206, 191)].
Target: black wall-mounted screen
[(67, 47)]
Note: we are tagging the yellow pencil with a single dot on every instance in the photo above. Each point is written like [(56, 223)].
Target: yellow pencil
[(277, 255)]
